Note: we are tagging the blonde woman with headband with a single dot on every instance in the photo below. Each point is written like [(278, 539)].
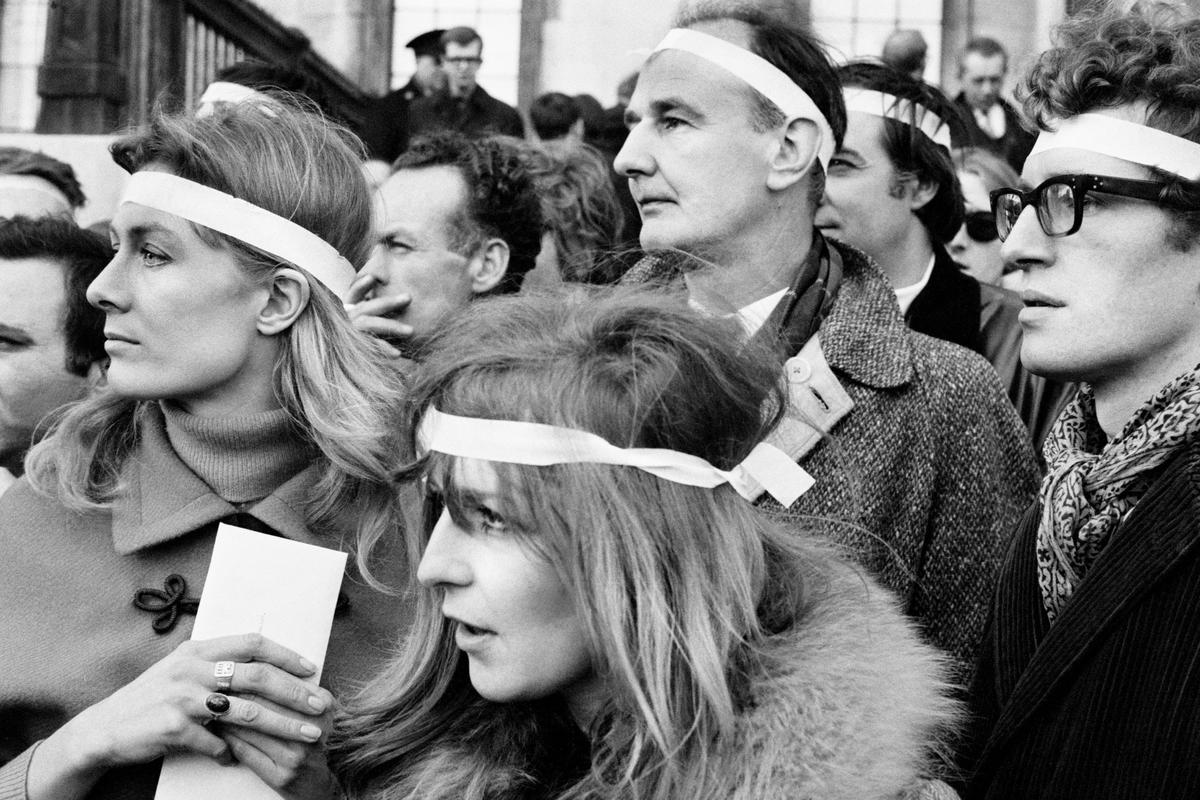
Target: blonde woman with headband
[(237, 391), (601, 611)]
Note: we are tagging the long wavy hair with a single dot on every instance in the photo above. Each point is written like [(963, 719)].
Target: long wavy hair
[(680, 588), (340, 388)]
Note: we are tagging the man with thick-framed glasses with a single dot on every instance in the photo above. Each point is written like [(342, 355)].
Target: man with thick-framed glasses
[(893, 193), (463, 105), (1089, 684)]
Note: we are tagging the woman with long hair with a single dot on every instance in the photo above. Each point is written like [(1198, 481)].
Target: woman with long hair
[(601, 610), (237, 391)]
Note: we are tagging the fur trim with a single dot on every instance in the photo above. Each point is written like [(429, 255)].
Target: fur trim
[(858, 707)]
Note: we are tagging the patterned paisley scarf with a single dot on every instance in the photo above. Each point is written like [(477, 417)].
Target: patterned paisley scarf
[(1091, 485)]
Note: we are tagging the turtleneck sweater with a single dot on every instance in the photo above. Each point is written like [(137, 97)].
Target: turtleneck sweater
[(241, 458)]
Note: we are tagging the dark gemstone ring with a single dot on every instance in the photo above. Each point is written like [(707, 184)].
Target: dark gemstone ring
[(217, 704)]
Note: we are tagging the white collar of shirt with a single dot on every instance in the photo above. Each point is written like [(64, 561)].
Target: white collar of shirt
[(907, 294), (751, 316), (992, 121)]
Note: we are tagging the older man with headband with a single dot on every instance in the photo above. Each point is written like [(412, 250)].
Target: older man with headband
[(926, 466), (1088, 684)]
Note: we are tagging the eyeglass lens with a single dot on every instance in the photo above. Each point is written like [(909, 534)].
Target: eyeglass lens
[(1055, 206)]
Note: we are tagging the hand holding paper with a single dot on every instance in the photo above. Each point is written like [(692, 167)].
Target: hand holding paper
[(286, 591)]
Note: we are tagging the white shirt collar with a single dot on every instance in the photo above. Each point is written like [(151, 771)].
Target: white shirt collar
[(752, 316), (906, 294)]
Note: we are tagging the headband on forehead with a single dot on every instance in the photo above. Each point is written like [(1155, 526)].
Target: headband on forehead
[(1128, 141), (243, 221), (762, 76), (888, 106), (766, 469)]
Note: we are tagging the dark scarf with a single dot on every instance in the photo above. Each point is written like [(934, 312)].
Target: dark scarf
[(1091, 485), (807, 300), (805, 304)]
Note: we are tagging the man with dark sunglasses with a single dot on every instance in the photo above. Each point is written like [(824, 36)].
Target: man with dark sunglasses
[(1089, 683), (892, 192)]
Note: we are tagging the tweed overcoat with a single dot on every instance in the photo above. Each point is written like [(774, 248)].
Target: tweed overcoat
[(957, 308), (1105, 703), (69, 633), (927, 467)]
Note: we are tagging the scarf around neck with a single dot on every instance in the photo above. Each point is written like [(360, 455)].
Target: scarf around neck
[(1092, 484)]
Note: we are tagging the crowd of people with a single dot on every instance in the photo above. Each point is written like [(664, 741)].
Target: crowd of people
[(698, 447)]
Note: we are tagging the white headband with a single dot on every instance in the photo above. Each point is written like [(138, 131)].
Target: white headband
[(762, 76), (1128, 141), (224, 92), (766, 469), (888, 106), (244, 221)]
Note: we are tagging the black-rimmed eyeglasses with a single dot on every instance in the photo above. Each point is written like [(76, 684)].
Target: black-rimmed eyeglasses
[(1059, 201)]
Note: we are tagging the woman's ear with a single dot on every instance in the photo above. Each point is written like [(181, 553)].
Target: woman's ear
[(489, 266), (795, 153), (288, 296)]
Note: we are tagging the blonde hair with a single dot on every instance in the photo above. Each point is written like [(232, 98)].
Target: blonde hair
[(680, 588), (340, 387)]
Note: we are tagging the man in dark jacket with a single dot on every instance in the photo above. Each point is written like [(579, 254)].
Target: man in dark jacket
[(925, 466), (893, 193), (463, 105), (385, 129), (1088, 684), (989, 121)]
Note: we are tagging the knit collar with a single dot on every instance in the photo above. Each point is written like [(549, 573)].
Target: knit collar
[(241, 458), (163, 497)]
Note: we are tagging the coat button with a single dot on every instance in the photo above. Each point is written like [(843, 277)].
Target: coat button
[(801, 370)]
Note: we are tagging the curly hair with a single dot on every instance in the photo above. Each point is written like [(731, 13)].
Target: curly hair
[(1106, 59), (503, 199), (911, 151), (579, 203)]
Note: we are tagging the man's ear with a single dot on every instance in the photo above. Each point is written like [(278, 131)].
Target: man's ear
[(919, 192), (795, 153), (489, 266), (288, 296)]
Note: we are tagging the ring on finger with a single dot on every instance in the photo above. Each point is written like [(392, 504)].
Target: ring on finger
[(217, 705), (223, 672)]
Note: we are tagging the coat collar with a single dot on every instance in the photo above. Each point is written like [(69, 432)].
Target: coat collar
[(1159, 533), (162, 499), (948, 307), (864, 335)]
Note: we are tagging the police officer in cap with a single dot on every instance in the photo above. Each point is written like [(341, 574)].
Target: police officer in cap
[(385, 131)]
